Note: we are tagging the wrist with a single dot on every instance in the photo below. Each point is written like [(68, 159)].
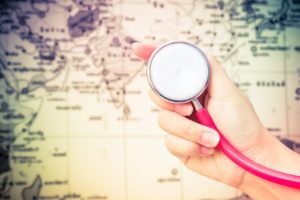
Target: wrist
[(272, 154)]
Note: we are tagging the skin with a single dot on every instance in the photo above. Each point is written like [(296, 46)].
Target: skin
[(233, 114)]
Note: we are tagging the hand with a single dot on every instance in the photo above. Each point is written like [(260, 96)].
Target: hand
[(194, 144)]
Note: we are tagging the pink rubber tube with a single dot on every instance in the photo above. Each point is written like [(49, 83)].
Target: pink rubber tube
[(231, 152)]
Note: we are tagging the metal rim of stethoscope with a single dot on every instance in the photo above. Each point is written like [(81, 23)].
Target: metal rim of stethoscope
[(194, 98)]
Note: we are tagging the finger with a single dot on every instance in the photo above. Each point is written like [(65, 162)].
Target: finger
[(185, 148), (182, 127), (184, 109), (143, 51), (184, 159)]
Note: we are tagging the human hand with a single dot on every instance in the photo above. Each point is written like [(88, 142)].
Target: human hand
[(194, 144)]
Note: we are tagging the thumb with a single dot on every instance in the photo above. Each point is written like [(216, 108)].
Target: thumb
[(143, 51), (220, 85)]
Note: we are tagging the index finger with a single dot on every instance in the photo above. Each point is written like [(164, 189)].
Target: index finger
[(184, 109), (143, 51)]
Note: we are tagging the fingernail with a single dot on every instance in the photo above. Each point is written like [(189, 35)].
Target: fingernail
[(185, 110), (135, 44), (207, 151), (210, 139), (189, 110)]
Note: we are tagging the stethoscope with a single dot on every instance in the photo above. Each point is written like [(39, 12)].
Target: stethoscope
[(179, 72)]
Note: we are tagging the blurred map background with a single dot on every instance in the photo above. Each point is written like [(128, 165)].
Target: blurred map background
[(76, 121)]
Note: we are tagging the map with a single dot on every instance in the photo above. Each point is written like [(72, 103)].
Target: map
[(76, 121)]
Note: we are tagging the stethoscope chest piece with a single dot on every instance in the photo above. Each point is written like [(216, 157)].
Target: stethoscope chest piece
[(178, 72)]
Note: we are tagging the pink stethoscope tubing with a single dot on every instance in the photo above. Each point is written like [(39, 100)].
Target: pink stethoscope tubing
[(231, 152)]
